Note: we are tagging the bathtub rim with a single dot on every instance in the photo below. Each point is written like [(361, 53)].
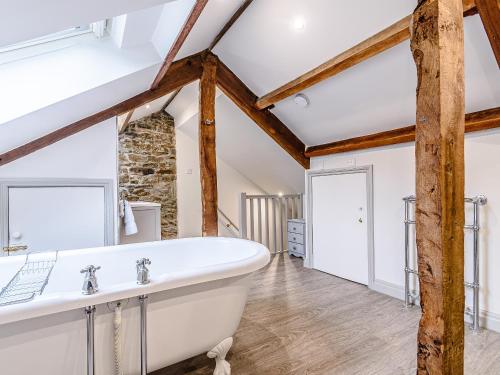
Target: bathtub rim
[(53, 303)]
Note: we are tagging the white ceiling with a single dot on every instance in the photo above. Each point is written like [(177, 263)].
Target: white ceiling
[(69, 68), (136, 28), (373, 96), (265, 50), (172, 18), (213, 18), (21, 20), (376, 95), (379, 94), (48, 119)]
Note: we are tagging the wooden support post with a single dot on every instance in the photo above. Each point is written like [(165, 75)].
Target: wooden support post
[(208, 169), (437, 45)]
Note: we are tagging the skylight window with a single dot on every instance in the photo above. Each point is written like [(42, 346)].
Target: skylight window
[(98, 28)]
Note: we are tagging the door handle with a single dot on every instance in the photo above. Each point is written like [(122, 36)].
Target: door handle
[(360, 220), (14, 248)]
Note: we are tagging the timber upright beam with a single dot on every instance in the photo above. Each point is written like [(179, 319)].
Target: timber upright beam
[(437, 45), (208, 169)]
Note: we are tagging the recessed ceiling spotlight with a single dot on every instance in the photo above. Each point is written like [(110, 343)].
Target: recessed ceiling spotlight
[(148, 106), (301, 100), (299, 23)]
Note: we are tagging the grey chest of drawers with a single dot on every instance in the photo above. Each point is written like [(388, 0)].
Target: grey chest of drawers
[(296, 233)]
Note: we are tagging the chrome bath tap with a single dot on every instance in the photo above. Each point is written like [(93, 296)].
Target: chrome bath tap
[(90, 281), (143, 271)]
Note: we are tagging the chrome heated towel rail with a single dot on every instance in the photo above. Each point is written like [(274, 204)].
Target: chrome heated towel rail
[(411, 296)]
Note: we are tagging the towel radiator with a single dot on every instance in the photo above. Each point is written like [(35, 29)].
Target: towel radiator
[(410, 296)]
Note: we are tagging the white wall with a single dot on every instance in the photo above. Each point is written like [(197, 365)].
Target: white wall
[(229, 184), (90, 154), (248, 160), (241, 143), (394, 178)]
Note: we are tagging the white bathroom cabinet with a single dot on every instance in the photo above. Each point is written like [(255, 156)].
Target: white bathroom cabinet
[(148, 219)]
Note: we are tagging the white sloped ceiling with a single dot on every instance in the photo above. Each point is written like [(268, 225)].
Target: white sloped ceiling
[(266, 51), (21, 20)]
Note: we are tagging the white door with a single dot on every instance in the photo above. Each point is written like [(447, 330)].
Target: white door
[(339, 222), (56, 218)]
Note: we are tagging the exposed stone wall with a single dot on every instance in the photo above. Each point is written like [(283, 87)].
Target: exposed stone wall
[(147, 166)]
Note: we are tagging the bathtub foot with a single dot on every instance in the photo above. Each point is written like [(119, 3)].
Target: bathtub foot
[(219, 352)]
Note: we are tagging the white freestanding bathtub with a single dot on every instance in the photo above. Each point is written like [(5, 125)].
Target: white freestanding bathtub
[(197, 294)]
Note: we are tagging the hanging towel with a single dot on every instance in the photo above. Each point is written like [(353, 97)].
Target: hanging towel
[(128, 219)]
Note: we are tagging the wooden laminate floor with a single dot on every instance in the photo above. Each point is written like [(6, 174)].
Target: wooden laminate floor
[(302, 321)]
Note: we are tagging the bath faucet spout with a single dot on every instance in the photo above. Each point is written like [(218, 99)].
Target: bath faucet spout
[(90, 281), (143, 271)]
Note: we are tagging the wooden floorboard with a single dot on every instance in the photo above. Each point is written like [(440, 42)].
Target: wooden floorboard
[(302, 321)]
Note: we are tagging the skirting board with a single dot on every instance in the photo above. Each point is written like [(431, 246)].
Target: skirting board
[(487, 319), (389, 289)]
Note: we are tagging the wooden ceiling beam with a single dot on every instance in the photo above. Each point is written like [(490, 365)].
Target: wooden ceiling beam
[(378, 43), (489, 10), (230, 23), (476, 121), (245, 99), (218, 37), (390, 137), (124, 125), (179, 41), (180, 74)]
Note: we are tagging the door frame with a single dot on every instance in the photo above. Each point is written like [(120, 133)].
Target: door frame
[(6, 184), (368, 171)]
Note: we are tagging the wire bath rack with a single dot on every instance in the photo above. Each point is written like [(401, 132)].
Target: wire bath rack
[(30, 280)]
